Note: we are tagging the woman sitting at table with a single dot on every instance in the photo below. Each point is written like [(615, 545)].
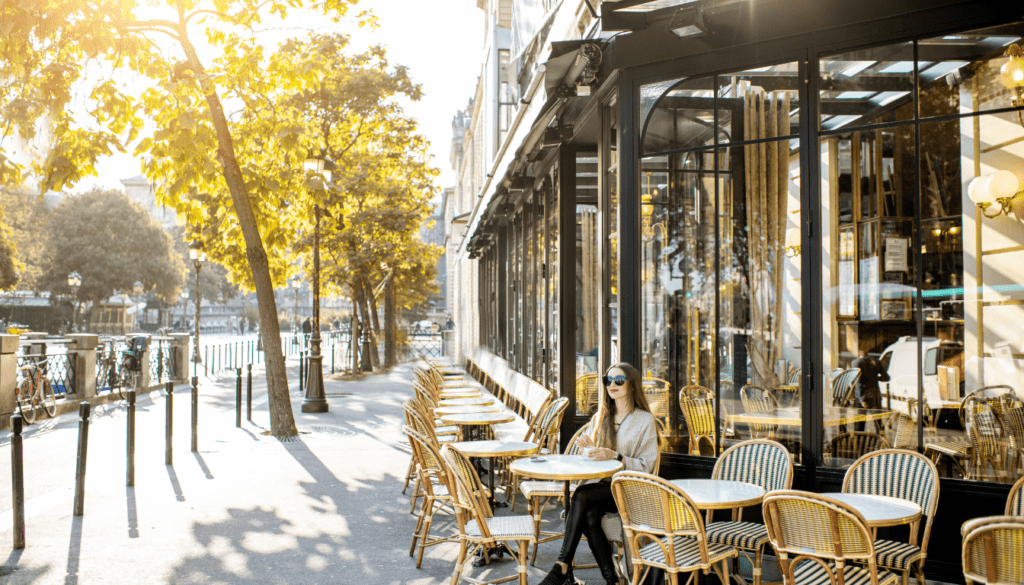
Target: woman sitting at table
[(623, 428)]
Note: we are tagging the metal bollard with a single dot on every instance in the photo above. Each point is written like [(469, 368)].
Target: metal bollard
[(169, 426), (238, 397), (302, 371), (84, 409), (206, 362), (195, 413), (248, 395), (18, 482), (131, 438)]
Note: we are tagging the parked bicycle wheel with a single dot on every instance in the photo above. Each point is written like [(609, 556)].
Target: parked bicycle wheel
[(48, 398), (25, 405), (126, 381)]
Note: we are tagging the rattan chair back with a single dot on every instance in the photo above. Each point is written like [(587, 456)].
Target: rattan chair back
[(428, 460), (1015, 501), (694, 392), (657, 392), (699, 415), (843, 387), (982, 414), (794, 377), (758, 399), (547, 425), (652, 508), (758, 461), (804, 526), (901, 431), (418, 421), (468, 493), (588, 387), (898, 473), (855, 444), (993, 551)]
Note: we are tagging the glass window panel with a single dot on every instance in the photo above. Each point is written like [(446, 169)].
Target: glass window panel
[(588, 282), (868, 276), (771, 92), (552, 283), (865, 87), (961, 72), (684, 118)]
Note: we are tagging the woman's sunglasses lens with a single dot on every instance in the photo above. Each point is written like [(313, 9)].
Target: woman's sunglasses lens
[(617, 380)]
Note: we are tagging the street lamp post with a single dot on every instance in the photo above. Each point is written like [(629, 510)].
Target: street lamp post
[(197, 254), (315, 399), (74, 283)]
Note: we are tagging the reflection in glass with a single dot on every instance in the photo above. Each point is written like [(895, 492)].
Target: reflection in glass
[(866, 86)]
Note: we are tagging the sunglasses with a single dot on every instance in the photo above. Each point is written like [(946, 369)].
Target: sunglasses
[(616, 380)]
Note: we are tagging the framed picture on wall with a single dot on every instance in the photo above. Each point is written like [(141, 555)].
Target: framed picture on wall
[(895, 310)]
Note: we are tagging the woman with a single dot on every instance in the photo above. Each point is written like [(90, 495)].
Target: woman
[(622, 429)]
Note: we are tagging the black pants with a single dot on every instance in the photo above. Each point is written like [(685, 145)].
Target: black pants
[(590, 503)]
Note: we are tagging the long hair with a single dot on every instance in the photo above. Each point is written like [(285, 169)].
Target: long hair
[(604, 435)]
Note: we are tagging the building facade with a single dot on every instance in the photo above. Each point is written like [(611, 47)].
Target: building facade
[(779, 206)]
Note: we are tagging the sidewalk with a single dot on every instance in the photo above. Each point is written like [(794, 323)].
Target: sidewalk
[(247, 508)]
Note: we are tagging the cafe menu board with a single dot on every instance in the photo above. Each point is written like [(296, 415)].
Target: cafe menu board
[(896, 250)]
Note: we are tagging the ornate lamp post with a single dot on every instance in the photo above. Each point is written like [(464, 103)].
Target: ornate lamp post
[(74, 283), (197, 254), (315, 400)]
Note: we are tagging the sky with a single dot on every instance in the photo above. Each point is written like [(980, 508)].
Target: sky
[(440, 41)]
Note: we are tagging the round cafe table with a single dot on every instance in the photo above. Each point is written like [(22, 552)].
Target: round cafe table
[(494, 449), (879, 511), (469, 409), (565, 468), (477, 419), (476, 401), (455, 394), (720, 494)]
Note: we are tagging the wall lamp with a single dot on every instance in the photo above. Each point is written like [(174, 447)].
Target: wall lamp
[(1012, 76), (995, 194)]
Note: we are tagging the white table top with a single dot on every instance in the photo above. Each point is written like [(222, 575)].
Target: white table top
[(455, 394), (717, 494), (475, 401), (477, 419), (880, 510), (566, 467), (466, 409), (494, 448)]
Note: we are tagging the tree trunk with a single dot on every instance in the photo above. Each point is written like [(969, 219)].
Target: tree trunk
[(374, 332), (282, 421), (354, 341), (390, 325)]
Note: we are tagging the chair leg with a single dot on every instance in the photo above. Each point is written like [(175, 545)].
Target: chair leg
[(429, 515), (919, 569), (457, 573), (415, 494), (524, 551), (409, 474), (756, 570), (419, 526), (533, 504)]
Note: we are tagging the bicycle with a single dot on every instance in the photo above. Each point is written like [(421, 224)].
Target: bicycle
[(130, 367), (106, 369), (35, 390)]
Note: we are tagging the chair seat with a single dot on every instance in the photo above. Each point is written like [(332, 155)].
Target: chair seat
[(811, 573), (896, 555), (446, 430), (543, 489), (687, 551), (611, 524), (447, 438), (502, 527), (744, 535)]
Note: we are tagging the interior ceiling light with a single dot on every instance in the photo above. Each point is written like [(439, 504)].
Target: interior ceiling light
[(857, 67)]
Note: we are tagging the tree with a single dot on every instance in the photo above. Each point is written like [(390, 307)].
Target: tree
[(22, 219), (112, 242), (193, 159)]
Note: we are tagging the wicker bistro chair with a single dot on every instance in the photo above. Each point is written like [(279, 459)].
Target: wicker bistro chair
[(664, 529), (760, 462), (991, 444), (843, 387), (854, 444), (477, 527), (588, 387), (700, 423), (1015, 501), (907, 475), (538, 493), (757, 399), (694, 392), (992, 552), (544, 432), (657, 392), (437, 495), (817, 537)]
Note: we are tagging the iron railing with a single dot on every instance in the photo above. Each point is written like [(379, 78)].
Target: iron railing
[(162, 359), (108, 356), (50, 355), (431, 345)]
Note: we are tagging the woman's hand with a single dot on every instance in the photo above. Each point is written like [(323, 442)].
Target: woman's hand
[(602, 454), (584, 441)]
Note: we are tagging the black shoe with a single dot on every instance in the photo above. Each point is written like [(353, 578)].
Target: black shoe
[(555, 577)]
